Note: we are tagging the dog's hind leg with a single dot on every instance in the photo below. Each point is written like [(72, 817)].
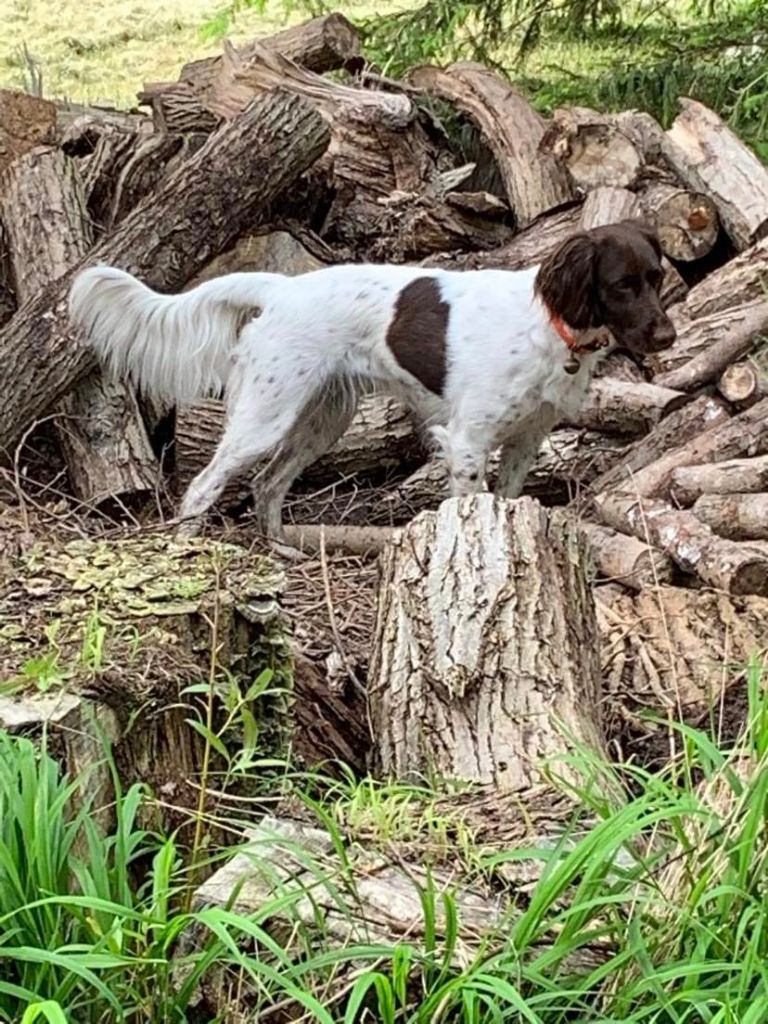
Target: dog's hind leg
[(317, 428), (257, 425)]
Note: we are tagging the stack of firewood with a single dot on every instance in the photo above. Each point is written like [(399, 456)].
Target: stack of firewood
[(260, 159)]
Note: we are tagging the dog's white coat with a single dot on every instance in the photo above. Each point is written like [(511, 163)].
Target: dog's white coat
[(292, 375)]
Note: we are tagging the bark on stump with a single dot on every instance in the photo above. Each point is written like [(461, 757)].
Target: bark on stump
[(485, 654), (197, 212)]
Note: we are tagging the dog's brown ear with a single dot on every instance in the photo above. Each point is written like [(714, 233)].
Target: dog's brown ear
[(566, 282)]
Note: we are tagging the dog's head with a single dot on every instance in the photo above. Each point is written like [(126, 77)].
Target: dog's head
[(610, 277)]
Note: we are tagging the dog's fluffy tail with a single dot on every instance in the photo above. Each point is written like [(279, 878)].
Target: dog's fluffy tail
[(176, 347)]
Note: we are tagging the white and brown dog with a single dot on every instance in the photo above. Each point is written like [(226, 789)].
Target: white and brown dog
[(485, 358)]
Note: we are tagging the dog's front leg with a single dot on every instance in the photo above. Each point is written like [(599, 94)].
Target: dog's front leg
[(519, 452)]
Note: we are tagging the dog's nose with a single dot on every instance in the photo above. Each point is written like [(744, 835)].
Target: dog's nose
[(664, 334)]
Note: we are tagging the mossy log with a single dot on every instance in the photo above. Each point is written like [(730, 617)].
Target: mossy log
[(99, 635)]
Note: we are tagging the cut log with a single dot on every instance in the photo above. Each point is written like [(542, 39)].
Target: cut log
[(741, 384), (737, 516), (677, 654), (735, 336), (178, 110), (743, 435), (274, 252), (703, 414), (533, 180), (626, 560), (686, 221), (531, 246), (378, 147), (105, 445), (593, 148), (141, 174), (619, 366), (723, 564), (108, 152), (25, 122), (483, 697), (205, 205), (644, 132), (609, 204), (410, 227), (689, 482), (710, 158), (320, 45), (626, 407), (736, 283), (381, 436)]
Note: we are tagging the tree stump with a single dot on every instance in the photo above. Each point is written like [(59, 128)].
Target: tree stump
[(98, 634), (485, 656)]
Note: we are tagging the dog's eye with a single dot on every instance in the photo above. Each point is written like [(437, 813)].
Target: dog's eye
[(627, 284)]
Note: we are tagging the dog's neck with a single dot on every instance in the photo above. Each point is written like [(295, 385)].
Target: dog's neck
[(579, 343)]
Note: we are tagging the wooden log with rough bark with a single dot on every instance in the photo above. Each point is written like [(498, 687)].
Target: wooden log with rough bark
[(686, 221), (197, 211), (710, 158), (533, 180), (733, 567), (626, 560), (616, 557), (379, 151), (678, 654), (485, 697), (701, 415), (101, 155), (381, 436), (593, 147), (102, 436), (737, 516), (735, 283), (626, 407), (712, 344), (321, 44), (740, 436), (688, 483), (531, 246), (609, 204), (741, 384)]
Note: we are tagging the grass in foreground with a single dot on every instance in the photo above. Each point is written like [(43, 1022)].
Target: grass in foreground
[(672, 884)]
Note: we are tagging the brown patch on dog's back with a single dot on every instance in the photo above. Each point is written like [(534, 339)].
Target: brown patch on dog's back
[(417, 336)]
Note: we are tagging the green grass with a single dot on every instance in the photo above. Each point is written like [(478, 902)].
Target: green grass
[(673, 883), (103, 50)]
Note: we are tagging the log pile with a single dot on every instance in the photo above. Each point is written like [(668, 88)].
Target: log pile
[(293, 153)]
